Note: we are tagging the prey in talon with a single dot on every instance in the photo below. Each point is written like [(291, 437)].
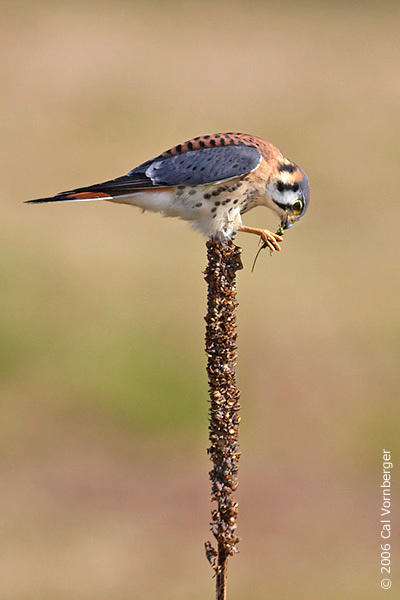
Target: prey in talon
[(263, 245), (210, 181)]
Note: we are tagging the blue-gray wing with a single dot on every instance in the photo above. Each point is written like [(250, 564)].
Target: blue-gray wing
[(208, 165)]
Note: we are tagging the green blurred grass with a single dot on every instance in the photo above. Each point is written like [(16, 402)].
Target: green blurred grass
[(131, 369)]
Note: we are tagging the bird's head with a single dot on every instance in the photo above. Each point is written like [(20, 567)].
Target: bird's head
[(289, 191)]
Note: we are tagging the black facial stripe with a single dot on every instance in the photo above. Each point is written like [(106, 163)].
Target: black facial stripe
[(282, 206), (282, 187), (288, 168)]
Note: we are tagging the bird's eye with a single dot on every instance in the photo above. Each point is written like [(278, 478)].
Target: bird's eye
[(297, 207), (280, 186)]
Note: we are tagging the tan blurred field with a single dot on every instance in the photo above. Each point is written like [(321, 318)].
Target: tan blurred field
[(103, 425)]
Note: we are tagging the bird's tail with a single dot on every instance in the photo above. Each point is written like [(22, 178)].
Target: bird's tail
[(114, 190), (72, 197)]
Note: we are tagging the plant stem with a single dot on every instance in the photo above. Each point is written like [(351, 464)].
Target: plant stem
[(223, 263)]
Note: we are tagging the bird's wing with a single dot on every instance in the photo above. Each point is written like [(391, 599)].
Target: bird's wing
[(208, 165), (197, 167)]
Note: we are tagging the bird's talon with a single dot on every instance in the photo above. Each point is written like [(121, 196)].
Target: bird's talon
[(270, 240)]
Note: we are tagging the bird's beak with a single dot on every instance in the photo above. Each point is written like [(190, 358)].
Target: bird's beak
[(287, 220)]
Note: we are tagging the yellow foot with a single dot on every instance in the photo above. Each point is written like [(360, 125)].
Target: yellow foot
[(270, 239)]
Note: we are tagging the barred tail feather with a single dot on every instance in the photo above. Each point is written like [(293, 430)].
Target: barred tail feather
[(108, 190)]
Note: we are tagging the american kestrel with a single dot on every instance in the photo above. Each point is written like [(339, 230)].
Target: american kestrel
[(210, 181)]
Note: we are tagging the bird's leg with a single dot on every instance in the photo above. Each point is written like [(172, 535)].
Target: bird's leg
[(269, 238)]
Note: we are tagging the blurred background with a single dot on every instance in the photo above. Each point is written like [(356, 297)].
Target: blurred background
[(103, 428)]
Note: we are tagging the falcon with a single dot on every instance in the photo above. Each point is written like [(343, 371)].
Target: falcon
[(210, 181)]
